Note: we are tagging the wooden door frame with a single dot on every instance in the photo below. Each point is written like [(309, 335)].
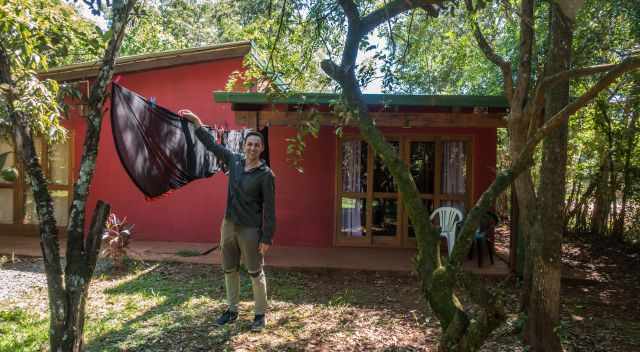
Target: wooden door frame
[(19, 187), (402, 239)]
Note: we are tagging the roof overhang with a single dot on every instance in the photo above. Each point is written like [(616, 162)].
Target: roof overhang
[(143, 62), (389, 110)]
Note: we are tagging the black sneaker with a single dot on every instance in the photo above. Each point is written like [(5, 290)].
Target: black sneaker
[(259, 323), (227, 317)]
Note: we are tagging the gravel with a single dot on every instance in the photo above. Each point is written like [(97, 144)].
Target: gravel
[(20, 277)]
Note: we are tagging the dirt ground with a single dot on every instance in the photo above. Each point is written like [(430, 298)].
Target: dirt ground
[(169, 307)]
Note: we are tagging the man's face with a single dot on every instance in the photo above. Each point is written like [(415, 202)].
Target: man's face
[(253, 147)]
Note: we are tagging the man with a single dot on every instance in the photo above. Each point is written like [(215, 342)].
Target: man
[(249, 222)]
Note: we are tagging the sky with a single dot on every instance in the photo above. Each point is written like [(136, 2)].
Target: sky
[(86, 13)]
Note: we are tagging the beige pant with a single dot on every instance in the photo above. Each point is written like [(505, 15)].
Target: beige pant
[(240, 244)]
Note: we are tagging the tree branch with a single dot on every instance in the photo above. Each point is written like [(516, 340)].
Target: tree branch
[(527, 38), (332, 70), (522, 162), (75, 227), (396, 7), (94, 238), (629, 64), (560, 77), (81, 255), (549, 82), (358, 27), (491, 55), (49, 243), (350, 10)]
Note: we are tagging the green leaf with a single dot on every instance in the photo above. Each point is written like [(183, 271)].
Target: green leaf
[(107, 35), (9, 174)]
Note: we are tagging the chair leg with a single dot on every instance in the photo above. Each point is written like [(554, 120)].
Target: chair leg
[(450, 239), (479, 244)]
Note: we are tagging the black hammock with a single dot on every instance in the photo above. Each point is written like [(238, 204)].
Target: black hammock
[(157, 148)]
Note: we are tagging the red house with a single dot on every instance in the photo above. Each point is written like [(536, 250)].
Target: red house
[(345, 197)]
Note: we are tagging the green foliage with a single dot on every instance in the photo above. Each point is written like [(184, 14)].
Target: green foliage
[(21, 330), (606, 32), (116, 237), (36, 35), (308, 124), (9, 174), (170, 25), (439, 56)]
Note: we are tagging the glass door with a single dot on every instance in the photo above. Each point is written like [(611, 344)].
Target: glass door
[(385, 205), (353, 179)]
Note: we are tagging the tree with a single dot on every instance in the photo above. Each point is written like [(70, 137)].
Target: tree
[(349, 28), (22, 37), (460, 331), (538, 97)]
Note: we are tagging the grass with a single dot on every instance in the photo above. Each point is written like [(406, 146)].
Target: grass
[(169, 307), (21, 330)]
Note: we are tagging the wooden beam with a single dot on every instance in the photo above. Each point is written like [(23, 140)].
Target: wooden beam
[(382, 119)]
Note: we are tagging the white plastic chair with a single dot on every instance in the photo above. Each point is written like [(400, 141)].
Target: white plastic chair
[(449, 217)]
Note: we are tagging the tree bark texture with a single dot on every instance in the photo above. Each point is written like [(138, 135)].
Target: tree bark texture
[(44, 206), (602, 200), (460, 331), (630, 136), (81, 255), (68, 293), (545, 246)]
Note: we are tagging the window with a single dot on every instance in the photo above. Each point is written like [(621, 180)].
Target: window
[(17, 204), (7, 189), (369, 206), (353, 197)]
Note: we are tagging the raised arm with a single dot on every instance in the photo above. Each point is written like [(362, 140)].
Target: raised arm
[(207, 138)]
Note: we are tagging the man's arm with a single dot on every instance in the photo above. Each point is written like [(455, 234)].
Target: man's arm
[(207, 138), (268, 209)]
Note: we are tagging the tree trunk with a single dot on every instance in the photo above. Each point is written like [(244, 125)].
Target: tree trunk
[(543, 313), (618, 228), (602, 202), (44, 207), (67, 300), (77, 286), (571, 205), (579, 211)]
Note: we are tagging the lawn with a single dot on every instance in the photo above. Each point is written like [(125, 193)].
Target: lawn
[(172, 307)]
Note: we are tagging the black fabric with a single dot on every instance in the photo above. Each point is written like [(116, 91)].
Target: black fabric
[(158, 149)]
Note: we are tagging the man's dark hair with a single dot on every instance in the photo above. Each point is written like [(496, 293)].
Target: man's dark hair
[(253, 133)]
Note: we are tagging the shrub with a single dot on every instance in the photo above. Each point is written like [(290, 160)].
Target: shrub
[(115, 240)]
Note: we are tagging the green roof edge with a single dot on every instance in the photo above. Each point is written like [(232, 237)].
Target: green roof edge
[(371, 99)]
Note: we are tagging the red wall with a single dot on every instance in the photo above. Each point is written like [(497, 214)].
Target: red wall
[(194, 212), (304, 201)]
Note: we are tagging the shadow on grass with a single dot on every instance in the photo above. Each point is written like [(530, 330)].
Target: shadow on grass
[(161, 309), (169, 307)]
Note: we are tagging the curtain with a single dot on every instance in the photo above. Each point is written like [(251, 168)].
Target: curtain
[(353, 180), (454, 161)]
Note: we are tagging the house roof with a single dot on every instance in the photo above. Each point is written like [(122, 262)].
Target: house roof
[(151, 61), (258, 109), (255, 100)]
